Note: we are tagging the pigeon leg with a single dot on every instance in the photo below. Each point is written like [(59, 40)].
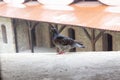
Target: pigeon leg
[(57, 49), (59, 52), (62, 52)]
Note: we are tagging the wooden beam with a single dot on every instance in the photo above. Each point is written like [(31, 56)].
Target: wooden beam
[(92, 37), (14, 21), (62, 28)]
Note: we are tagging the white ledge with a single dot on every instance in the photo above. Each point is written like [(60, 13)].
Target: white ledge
[(82, 66)]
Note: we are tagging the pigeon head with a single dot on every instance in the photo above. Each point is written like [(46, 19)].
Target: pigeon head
[(54, 30)]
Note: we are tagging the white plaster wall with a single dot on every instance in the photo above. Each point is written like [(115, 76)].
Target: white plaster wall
[(8, 47)]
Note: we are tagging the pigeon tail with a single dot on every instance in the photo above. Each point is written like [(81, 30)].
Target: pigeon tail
[(78, 44)]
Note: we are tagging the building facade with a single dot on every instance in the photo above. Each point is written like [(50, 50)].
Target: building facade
[(42, 37)]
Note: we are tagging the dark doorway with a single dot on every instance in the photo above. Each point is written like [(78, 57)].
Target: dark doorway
[(107, 42)]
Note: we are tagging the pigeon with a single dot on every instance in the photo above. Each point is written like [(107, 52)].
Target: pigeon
[(63, 43)]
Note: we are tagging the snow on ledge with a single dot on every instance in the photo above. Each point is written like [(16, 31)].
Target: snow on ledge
[(76, 66)]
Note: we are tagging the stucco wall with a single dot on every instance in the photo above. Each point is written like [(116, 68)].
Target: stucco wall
[(8, 47), (43, 35), (22, 34)]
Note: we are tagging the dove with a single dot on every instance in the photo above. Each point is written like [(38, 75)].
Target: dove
[(63, 43)]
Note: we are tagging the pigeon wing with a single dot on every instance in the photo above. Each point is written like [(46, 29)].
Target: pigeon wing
[(62, 40)]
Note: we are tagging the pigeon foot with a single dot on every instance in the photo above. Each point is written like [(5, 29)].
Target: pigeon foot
[(61, 52)]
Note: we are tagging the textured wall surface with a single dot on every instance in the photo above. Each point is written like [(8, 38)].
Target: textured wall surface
[(22, 35), (43, 35), (10, 45)]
